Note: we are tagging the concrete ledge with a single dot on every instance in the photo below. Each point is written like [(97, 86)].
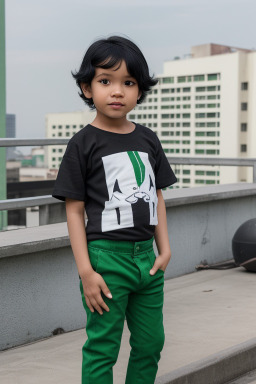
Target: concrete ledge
[(34, 239), (218, 368), (183, 196)]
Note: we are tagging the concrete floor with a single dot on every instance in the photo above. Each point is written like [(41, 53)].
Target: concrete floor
[(204, 313)]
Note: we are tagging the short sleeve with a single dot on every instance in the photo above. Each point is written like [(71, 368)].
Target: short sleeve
[(70, 181), (164, 174)]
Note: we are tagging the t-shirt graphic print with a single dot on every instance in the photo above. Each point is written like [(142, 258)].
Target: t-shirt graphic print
[(130, 179), (116, 176)]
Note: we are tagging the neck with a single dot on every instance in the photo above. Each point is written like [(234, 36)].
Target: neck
[(108, 123)]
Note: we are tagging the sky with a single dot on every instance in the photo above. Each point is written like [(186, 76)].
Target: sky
[(46, 40)]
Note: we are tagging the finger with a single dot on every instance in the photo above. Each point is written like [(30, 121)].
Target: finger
[(105, 289), (96, 306), (102, 303), (153, 269), (89, 304)]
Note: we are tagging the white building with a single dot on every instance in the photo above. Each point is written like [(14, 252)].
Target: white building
[(205, 106), (64, 125)]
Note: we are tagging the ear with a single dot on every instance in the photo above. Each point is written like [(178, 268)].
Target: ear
[(139, 95), (86, 89)]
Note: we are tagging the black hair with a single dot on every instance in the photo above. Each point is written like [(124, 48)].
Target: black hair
[(107, 53)]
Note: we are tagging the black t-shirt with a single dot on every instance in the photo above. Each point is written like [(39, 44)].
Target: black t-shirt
[(116, 175)]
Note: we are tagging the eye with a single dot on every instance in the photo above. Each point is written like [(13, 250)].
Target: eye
[(130, 83), (104, 81)]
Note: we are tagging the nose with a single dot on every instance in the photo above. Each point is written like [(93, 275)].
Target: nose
[(117, 92)]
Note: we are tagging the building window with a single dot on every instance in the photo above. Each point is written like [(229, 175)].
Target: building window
[(243, 106), (200, 115), (200, 89), (243, 127), (168, 80), (187, 89), (244, 86), (181, 79), (186, 172), (213, 76), (54, 126), (199, 78), (167, 90), (211, 115), (243, 148), (200, 173), (67, 126)]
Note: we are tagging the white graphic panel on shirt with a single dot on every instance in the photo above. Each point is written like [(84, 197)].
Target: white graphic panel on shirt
[(130, 182)]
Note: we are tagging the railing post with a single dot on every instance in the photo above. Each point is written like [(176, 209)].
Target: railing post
[(44, 214), (254, 172)]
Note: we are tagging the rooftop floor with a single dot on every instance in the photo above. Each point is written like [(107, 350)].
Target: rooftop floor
[(205, 313)]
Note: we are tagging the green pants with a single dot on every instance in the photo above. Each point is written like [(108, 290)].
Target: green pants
[(137, 297)]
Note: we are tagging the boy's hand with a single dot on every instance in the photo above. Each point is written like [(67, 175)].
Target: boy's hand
[(161, 262), (93, 283)]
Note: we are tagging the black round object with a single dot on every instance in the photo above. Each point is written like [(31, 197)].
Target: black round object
[(244, 242)]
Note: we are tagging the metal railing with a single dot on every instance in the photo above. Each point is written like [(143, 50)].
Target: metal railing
[(26, 202)]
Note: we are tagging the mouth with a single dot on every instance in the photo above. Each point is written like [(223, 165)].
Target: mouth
[(116, 105)]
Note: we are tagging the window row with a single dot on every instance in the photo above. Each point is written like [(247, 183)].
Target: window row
[(207, 152), (207, 173), (209, 115), (178, 115), (208, 133), (208, 97), (201, 142), (164, 99), (65, 134), (208, 89), (164, 125), (190, 78), (67, 126), (208, 105), (173, 106)]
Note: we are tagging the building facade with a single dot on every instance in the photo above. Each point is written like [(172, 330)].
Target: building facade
[(63, 125), (204, 106)]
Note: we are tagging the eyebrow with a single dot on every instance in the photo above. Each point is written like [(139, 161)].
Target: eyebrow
[(109, 74)]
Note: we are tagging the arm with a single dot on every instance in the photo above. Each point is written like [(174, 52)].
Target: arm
[(92, 282), (161, 236)]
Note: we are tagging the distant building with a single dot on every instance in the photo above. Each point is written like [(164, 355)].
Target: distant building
[(205, 106), (64, 125)]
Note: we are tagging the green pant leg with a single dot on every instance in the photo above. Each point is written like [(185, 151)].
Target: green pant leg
[(144, 317)]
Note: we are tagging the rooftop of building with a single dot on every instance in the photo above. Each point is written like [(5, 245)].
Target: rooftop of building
[(211, 49)]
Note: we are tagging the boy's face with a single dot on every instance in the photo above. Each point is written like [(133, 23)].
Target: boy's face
[(114, 91)]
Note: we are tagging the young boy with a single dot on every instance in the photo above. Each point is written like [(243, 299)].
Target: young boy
[(115, 169)]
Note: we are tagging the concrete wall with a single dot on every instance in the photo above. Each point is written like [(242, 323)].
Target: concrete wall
[(39, 284)]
